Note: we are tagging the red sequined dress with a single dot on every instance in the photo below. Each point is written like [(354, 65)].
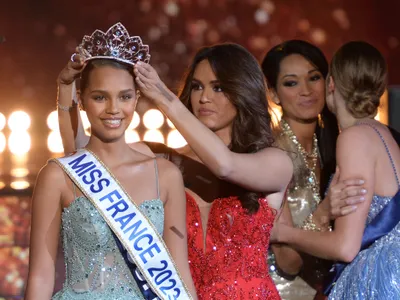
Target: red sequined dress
[(233, 265)]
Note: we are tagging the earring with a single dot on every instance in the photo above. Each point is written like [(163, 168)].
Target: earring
[(137, 94), (320, 121)]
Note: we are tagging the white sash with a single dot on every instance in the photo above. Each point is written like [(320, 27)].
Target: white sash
[(136, 233)]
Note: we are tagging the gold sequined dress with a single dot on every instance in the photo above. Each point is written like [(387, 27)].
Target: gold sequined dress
[(303, 198)]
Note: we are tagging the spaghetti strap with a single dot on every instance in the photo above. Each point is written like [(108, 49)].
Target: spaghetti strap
[(387, 149), (157, 181), (74, 189)]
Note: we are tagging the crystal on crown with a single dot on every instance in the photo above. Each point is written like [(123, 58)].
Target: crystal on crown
[(115, 44)]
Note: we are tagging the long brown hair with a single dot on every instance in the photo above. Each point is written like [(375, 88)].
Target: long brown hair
[(242, 81)]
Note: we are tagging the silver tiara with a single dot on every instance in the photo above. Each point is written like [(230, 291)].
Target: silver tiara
[(115, 44)]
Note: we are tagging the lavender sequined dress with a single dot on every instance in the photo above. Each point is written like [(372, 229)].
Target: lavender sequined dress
[(375, 272), (95, 269)]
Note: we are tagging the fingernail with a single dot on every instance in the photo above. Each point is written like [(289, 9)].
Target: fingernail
[(362, 198), (361, 181), (363, 191)]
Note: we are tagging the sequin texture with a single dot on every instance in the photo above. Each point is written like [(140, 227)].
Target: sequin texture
[(233, 264), (94, 266), (302, 202), (375, 272)]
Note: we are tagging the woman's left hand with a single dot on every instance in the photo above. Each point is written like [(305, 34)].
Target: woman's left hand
[(151, 85)]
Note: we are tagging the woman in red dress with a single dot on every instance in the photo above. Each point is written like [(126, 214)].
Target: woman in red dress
[(235, 180), (223, 115)]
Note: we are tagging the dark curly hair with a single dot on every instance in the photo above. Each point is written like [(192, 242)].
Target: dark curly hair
[(243, 83)]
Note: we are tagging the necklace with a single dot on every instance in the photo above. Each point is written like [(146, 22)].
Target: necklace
[(312, 180)]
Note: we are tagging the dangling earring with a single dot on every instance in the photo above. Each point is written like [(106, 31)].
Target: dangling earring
[(320, 121)]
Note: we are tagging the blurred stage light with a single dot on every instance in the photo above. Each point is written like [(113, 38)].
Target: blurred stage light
[(19, 185), (2, 185), (19, 120), (85, 120), (153, 135), (2, 121), (153, 119), (54, 142), (19, 172), (19, 142), (131, 136), (276, 114), (3, 142), (175, 139), (135, 121), (52, 121), (170, 124)]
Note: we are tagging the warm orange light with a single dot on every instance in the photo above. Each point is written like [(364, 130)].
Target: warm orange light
[(153, 136), (175, 139), (19, 142), (153, 119), (19, 185), (19, 121), (54, 142)]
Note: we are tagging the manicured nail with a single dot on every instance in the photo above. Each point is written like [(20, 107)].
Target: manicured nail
[(363, 191), (361, 181)]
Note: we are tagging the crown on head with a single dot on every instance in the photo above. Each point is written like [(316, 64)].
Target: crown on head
[(115, 44)]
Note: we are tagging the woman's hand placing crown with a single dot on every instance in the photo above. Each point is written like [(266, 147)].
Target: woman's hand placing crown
[(151, 86), (72, 70)]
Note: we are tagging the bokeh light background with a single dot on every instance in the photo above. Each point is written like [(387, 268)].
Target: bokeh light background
[(42, 34)]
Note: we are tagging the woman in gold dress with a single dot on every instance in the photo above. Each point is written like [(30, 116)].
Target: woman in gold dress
[(296, 72)]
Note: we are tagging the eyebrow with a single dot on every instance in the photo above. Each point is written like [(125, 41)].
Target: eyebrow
[(105, 92), (294, 75), (212, 81)]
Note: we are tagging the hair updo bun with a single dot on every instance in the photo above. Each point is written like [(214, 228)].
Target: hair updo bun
[(360, 73), (363, 103)]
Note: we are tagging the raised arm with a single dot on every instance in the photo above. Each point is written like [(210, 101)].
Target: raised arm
[(355, 160), (175, 233), (268, 170), (45, 231), (69, 119)]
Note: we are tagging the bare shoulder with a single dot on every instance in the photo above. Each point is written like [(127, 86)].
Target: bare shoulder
[(168, 169), (142, 148), (51, 179), (53, 172), (359, 138)]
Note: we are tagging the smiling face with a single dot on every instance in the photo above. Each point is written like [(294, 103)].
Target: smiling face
[(300, 89), (209, 102), (109, 99)]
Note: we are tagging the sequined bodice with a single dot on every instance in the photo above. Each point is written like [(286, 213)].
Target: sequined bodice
[(302, 202), (233, 264), (95, 269), (375, 272), (299, 195)]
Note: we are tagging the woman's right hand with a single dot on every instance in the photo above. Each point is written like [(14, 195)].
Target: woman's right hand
[(343, 196), (72, 70)]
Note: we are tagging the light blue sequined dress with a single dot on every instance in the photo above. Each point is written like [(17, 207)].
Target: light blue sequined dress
[(95, 269), (375, 272)]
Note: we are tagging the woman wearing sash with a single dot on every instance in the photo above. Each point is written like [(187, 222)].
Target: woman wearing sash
[(366, 243), (204, 187), (295, 71), (99, 260)]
